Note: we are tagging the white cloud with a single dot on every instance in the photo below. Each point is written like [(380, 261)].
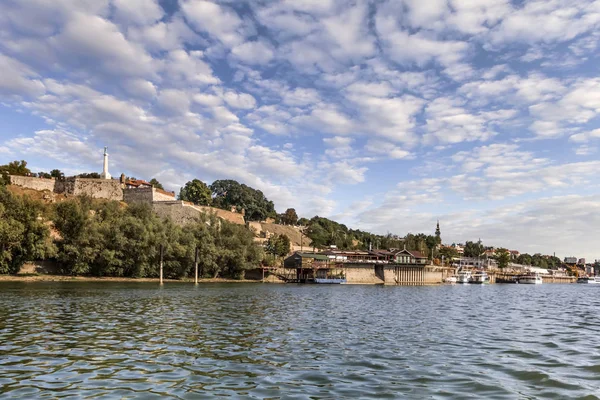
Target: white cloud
[(254, 52), (585, 136), (89, 42), (242, 101), (190, 67), (141, 12), (18, 79), (220, 22), (547, 21), (301, 97)]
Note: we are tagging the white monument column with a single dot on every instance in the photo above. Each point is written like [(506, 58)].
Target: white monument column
[(105, 174)]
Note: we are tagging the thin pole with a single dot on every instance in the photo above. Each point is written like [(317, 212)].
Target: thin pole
[(196, 266), (161, 263)]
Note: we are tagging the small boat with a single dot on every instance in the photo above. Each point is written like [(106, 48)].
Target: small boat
[(464, 277), (531, 279), (589, 279), (451, 279), (480, 278)]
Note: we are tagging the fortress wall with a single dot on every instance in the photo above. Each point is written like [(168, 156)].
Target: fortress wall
[(29, 182), (109, 189), (178, 212), (138, 195), (162, 195), (182, 213)]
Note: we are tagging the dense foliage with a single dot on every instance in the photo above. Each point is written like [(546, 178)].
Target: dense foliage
[(106, 239), (537, 260), (90, 175), (197, 192), (502, 257), (13, 168), (278, 245), (289, 217), (23, 234), (324, 232), (229, 193), (156, 184)]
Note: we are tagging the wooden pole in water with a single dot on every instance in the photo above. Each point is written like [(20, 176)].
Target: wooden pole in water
[(196, 266), (161, 263)]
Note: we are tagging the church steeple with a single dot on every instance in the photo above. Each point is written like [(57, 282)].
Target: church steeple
[(105, 174), (438, 233)]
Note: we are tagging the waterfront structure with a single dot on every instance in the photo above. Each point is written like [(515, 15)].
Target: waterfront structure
[(105, 174), (409, 257), (374, 267)]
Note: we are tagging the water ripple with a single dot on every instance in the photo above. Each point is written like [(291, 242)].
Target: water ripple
[(135, 340)]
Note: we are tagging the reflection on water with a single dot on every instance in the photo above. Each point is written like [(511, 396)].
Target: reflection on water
[(112, 340)]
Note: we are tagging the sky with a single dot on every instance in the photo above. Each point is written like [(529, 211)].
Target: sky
[(385, 115)]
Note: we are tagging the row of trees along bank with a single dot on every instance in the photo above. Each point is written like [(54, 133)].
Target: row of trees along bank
[(105, 238)]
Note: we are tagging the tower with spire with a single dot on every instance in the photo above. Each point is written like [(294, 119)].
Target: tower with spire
[(105, 174), (438, 234)]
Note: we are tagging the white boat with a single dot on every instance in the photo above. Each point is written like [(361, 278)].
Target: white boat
[(530, 279), (589, 279), (480, 278), (450, 279), (463, 277)]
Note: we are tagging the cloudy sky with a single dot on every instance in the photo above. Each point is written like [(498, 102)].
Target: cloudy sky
[(383, 114)]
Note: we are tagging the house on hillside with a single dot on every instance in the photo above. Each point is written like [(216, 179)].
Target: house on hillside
[(410, 257)]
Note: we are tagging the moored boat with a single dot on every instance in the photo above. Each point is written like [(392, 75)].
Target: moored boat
[(480, 278), (463, 277), (450, 279), (589, 279), (531, 279)]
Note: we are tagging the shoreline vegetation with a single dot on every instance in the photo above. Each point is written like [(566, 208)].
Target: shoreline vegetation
[(68, 278)]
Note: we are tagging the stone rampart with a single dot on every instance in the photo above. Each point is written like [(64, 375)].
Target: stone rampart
[(162, 195), (183, 213), (137, 195), (29, 182), (146, 195), (109, 189)]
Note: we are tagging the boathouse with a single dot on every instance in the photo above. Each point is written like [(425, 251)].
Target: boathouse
[(401, 267)]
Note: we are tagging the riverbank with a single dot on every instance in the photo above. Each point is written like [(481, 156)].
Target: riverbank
[(64, 278)]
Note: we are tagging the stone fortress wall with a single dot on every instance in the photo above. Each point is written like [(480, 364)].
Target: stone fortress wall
[(146, 195), (96, 188), (29, 182), (163, 202), (182, 212)]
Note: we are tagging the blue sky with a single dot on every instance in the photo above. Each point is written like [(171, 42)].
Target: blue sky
[(385, 115)]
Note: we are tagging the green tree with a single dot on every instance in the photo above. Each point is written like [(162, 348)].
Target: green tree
[(524, 259), (449, 253), (196, 192), (13, 168), (431, 243), (290, 217), (90, 175), (230, 193), (278, 245), (502, 257), (156, 184), (23, 234), (57, 174), (303, 221), (473, 249)]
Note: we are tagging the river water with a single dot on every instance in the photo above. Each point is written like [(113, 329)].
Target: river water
[(137, 340)]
